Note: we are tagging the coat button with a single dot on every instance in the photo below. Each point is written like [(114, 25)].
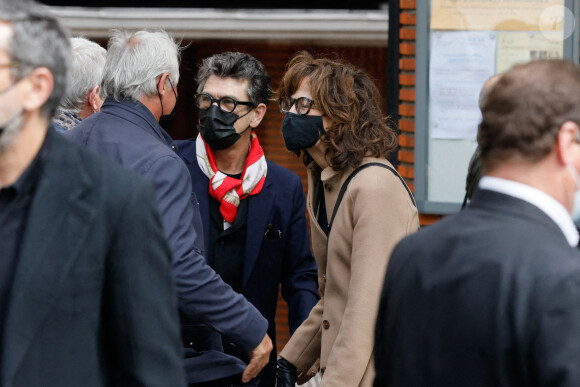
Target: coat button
[(324, 276), (325, 324)]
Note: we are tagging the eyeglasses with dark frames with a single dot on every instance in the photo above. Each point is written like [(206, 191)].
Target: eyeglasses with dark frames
[(302, 105), (226, 104)]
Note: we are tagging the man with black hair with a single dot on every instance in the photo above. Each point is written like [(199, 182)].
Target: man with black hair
[(248, 204)]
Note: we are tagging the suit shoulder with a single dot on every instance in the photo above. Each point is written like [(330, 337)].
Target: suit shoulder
[(186, 149), (107, 173), (282, 175), (557, 259), (82, 130)]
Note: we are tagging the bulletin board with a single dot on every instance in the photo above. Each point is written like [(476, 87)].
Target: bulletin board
[(461, 44)]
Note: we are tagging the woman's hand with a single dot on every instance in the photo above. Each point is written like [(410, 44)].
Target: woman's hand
[(306, 376), (285, 374)]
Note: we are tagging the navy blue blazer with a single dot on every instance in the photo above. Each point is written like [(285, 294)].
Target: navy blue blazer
[(127, 132), (285, 260)]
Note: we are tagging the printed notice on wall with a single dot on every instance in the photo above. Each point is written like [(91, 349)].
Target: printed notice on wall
[(521, 47), (461, 61), (506, 15)]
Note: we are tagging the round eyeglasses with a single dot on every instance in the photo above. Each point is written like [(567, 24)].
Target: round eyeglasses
[(226, 104), (302, 105)]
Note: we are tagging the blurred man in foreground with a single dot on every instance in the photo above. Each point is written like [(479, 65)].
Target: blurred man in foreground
[(86, 294)]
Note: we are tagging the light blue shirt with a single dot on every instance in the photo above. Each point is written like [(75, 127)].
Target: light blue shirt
[(547, 204)]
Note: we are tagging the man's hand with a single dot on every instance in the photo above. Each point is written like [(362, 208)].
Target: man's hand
[(259, 357)]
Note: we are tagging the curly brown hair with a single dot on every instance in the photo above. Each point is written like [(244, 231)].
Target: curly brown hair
[(351, 100)]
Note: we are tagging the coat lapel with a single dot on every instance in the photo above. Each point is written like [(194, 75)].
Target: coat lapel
[(318, 235), (201, 189), (259, 210), (56, 229)]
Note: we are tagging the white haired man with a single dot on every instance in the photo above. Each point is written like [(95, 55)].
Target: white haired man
[(82, 95), (139, 80), (86, 292)]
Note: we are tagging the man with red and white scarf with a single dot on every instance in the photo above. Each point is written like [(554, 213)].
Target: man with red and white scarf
[(253, 211)]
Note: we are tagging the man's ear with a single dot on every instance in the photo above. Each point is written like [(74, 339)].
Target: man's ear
[(161, 84), (94, 99), (37, 88), (567, 138), (260, 112)]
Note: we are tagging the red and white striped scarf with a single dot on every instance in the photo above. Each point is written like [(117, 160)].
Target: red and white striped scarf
[(227, 190)]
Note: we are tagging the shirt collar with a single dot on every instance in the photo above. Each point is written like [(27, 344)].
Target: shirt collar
[(547, 204)]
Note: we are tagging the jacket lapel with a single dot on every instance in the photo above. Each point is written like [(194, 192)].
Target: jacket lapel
[(201, 189), (58, 222), (318, 235), (259, 210)]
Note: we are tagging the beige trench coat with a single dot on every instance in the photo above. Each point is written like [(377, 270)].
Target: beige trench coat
[(376, 212)]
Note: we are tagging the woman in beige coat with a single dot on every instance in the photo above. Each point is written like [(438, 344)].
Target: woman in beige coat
[(333, 118)]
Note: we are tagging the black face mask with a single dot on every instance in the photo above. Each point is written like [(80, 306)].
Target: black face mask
[(217, 127), (301, 132)]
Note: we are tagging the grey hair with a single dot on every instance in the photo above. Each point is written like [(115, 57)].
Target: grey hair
[(134, 60), (38, 40), (238, 65), (86, 70)]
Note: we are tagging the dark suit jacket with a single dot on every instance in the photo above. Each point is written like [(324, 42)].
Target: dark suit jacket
[(93, 302), (281, 258), (128, 133), (488, 297)]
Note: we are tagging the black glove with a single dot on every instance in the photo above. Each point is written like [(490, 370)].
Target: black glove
[(285, 374)]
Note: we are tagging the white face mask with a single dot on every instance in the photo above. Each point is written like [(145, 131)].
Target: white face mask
[(576, 207)]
